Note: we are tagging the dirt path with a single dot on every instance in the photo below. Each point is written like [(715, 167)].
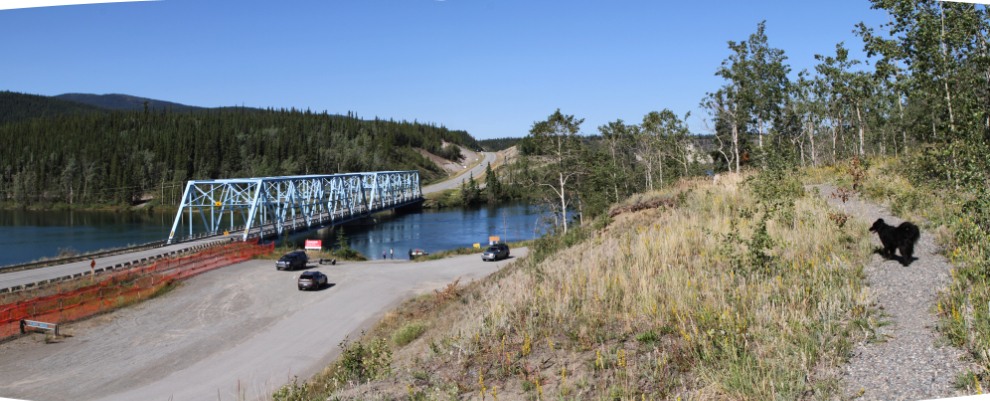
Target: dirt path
[(911, 364), (235, 333)]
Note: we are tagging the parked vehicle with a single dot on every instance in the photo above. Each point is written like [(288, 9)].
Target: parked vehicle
[(292, 261), (312, 281), (495, 252), (418, 252)]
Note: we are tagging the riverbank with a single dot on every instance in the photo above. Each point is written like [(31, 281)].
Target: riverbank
[(146, 207)]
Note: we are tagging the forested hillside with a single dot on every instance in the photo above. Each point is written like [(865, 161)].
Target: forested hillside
[(21, 106), (116, 157), (128, 102), (497, 144)]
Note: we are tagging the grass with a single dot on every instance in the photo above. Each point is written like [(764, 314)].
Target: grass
[(441, 199), (407, 333), (721, 294)]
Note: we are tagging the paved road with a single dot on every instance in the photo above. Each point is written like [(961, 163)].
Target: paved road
[(456, 181), (235, 333), (21, 277)]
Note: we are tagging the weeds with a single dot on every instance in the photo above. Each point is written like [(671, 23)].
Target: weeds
[(406, 334), (744, 290)]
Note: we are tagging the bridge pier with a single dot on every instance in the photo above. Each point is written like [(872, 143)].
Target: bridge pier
[(414, 207)]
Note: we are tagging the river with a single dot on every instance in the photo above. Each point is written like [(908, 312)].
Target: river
[(27, 235)]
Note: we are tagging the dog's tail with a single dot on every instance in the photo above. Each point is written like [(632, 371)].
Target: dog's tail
[(910, 231)]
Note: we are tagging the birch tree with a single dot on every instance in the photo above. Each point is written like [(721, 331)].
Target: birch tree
[(556, 139)]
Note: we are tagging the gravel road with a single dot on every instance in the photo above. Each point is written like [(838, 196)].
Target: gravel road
[(456, 181), (911, 364), (235, 333)]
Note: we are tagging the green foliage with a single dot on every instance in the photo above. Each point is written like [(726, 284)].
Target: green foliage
[(16, 107), (775, 186), (648, 337), (365, 361), (342, 244), (292, 391), (470, 193), (497, 144), (407, 333), (119, 156)]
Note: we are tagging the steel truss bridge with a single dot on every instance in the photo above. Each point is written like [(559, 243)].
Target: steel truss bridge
[(289, 205)]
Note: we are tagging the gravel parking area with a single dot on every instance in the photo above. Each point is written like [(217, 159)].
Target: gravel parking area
[(911, 364), (234, 333)]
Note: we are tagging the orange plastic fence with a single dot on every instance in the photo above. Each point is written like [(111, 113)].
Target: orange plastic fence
[(121, 288)]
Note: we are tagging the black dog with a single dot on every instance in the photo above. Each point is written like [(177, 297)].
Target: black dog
[(900, 238)]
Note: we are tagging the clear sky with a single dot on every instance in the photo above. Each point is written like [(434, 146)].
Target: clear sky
[(489, 67)]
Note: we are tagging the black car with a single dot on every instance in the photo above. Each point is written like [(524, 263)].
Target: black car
[(292, 261), (312, 281), (496, 252)]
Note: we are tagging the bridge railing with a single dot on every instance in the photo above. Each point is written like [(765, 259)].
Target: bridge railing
[(282, 204)]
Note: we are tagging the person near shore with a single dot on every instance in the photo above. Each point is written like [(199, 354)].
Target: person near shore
[(410, 254), (383, 254), (391, 254)]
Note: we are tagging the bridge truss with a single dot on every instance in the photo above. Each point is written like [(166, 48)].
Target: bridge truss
[(292, 204)]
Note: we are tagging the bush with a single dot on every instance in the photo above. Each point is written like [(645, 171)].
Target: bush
[(648, 337), (407, 333)]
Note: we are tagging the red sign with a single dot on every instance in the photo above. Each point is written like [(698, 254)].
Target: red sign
[(314, 244)]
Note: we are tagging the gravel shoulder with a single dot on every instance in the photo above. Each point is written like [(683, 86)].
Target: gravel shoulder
[(912, 363), (238, 333)]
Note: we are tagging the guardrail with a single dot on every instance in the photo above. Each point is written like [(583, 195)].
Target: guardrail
[(112, 252), (118, 267)]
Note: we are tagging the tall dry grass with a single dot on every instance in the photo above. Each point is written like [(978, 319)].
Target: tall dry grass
[(719, 326), (717, 294)]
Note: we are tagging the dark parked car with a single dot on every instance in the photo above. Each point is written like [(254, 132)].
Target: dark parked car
[(292, 261), (312, 281), (496, 252)]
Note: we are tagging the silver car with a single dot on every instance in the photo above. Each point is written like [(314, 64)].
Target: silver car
[(496, 252)]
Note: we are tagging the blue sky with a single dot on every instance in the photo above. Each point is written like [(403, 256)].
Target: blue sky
[(489, 67)]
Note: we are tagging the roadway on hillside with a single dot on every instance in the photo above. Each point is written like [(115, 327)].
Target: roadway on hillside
[(234, 333), (456, 181)]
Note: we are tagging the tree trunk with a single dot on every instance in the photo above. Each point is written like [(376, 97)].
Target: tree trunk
[(735, 143), (945, 77), (563, 202), (763, 156), (649, 173), (859, 117), (811, 137)]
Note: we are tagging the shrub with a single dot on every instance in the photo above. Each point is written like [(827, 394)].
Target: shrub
[(359, 360), (648, 337), (407, 333)]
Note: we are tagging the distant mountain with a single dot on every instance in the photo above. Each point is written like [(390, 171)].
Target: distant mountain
[(127, 102), (22, 106)]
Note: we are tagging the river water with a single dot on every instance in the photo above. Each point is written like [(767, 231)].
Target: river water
[(27, 235)]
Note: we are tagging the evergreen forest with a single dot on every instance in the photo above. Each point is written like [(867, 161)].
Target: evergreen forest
[(119, 157), (20, 106)]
